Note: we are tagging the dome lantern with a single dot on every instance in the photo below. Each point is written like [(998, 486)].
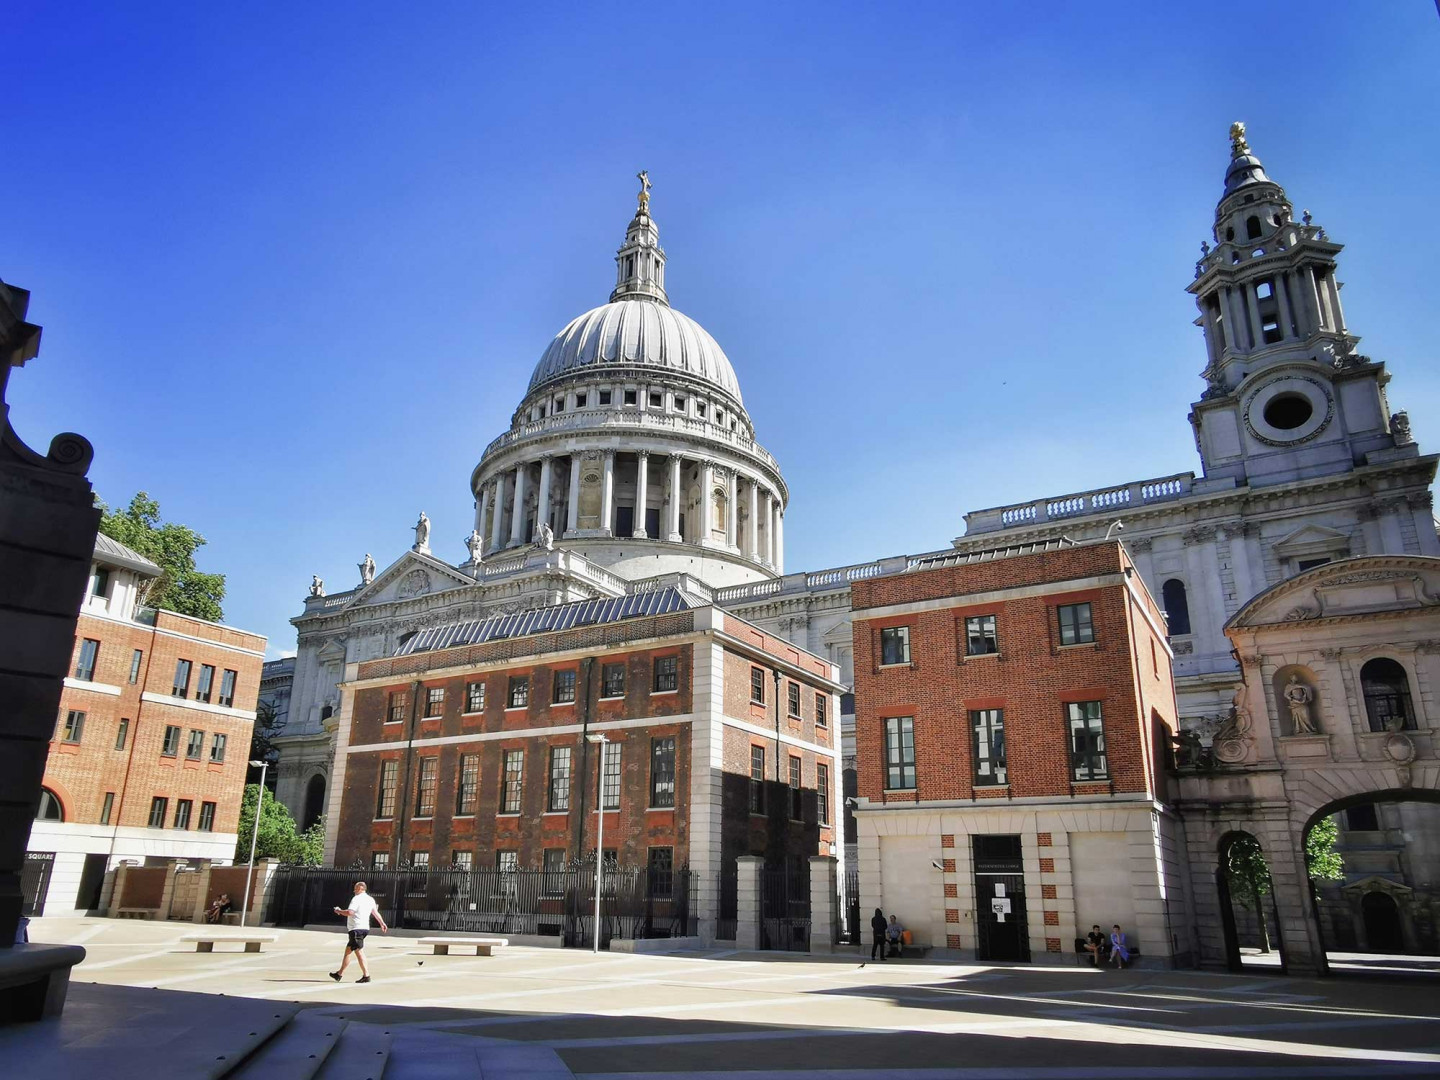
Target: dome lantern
[(640, 262)]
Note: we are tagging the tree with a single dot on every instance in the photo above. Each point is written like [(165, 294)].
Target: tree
[(1322, 861), (1248, 876), (262, 740), (278, 838), (172, 547)]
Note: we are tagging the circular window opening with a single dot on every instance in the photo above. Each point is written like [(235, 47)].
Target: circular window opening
[(1286, 412)]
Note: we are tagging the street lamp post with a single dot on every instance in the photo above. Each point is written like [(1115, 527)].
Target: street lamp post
[(254, 836), (601, 741)]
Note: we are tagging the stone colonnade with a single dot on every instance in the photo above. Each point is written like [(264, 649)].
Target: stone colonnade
[(736, 510)]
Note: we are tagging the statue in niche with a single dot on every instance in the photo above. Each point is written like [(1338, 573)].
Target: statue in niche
[(422, 533), (367, 570), (317, 585), (545, 537), (1299, 697), (475, 544)]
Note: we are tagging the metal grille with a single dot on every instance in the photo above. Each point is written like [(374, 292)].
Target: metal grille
[(785, 907), (35, 882)]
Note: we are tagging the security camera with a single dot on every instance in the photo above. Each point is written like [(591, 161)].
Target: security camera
[(937, 864)]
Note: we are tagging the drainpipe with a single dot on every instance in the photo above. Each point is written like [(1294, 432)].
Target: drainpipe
[(130, 757), (587, 667), (415, 690)]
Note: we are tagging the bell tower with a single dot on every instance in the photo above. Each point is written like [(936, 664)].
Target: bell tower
[(640, 262), (1287, 397)]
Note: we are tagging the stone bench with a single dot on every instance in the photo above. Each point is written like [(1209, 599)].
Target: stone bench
[(484, 946), (34, 979), (207, 942), (136, 913)]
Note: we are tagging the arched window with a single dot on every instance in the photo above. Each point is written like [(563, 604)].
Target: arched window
[(314, 801), (326, 711), (1177, 607), (1387, 695), (50, 808), (1252, 228)]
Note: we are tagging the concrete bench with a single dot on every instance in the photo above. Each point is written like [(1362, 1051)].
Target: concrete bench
[(207, 942), (484, 946)]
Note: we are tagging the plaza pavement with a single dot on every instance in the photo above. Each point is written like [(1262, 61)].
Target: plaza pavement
[(724, 1014)]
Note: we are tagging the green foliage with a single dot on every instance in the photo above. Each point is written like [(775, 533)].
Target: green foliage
[(1322, 861), (1247, 871), (172, 547), (278, 838)]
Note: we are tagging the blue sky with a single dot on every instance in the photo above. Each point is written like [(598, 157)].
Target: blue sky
[(295, 263)]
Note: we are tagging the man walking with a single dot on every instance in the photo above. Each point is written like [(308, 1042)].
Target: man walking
[(357, 922)]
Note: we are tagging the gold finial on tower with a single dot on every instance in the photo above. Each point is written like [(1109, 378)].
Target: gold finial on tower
[(1238, 145), (644, 178)]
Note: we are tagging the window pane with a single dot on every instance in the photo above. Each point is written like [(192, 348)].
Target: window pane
[(666, 674), (662, 771), (560, 778), (181, 685), (613, 680), (182, 814), (989, 745), (895, 645), (757, 685), (227, 689), (194, 745), (980, 637), (122, 734), (519, 691), (793, 702), (207, 817), (1087, 741), (434, 701), (205, 682), (389, 775), (757, 779), (900, 752), (610, 787), (425, 787), (135, 658), (822, 793), (511, 781), (398, 705), (660, 871), (85, 662), (564, 687), (171, 746), (217, 747), (468, 789), (474, 697)]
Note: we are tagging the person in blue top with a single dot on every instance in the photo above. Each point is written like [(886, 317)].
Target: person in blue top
[(1119, 947)]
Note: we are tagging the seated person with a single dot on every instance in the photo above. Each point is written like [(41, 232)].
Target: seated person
[(893, 934), (1097, 945), (218, 909), (1119, 947)]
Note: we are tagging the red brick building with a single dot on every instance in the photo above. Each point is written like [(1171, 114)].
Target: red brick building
[(1014, 722), (150, 748), (468, 748)]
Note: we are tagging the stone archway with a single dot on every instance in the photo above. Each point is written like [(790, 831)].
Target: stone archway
[(314, 801), (1381, 917)]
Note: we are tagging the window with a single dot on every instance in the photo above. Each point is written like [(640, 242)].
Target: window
[(181, 685), (822, 793), (207, 817), (507, 862), (380, 860), (1176, 605), (434, 700), (900, 752), (396, 711), (1075, 625), (136, 657), (158, 806), (662, 771), (895, 645), (610, 776), (419, 875), (667, 675), (467, 790), (700, 409), (85, 662), (980, 637), (793, 699), (656, 399), (559, 405), (820, 720), (1301, 565), (1252, 227), (425, 787), (514, 764), (389, 781), (612, 680), (106, 807), (217, 747), (989, 746), (100, 582), (679, 403), (559, 797), (182, 813), (580, 400), (204, 683), (195, 745), (462, 860), (553, 863), (797, 799), (757, 686), (631, 397), (474, 697), (49, 808), (74, 727), (170, 747), (757, 780), (519, 691), (660, 867), (1087, 741), (1386, 689), (227, 689), (564, 687), (604, 397)]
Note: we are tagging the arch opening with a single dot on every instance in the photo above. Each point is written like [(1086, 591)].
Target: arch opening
[(1247, 905), (314, 802), (50, 808), (1177, 606)]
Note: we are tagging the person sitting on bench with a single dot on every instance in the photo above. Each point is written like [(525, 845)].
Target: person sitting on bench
[(218, 909), (1119, 947), (894, 933), (1097, 945)]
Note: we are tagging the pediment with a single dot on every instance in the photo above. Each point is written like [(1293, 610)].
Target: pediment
[(1366, 585), (1311, 539), (1376, 883), (409, 576), (333, 649)]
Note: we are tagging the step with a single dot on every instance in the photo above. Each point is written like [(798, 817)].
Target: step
[(500, 1061), (296, 1052), (361, 1054), (417, 1054)]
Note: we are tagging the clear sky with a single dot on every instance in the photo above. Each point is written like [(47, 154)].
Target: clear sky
[(295, 262)]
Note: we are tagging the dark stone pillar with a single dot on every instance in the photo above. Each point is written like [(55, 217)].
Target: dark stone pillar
[(48, 523)]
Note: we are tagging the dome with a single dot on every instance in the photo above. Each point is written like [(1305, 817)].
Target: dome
[(636, 332)]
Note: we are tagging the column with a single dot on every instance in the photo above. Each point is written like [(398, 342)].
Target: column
[(498, 518), (824, 904), (1257, 336), (731, 508), (707, 504), (1289, 324), (607, 494), (517, 507), (542, 512), (572, 510), (1332, 289), (767, 553), (673, 533), (752, 531), (1239, 322), (642, 493), (747, 900), (779, 538), (480, 508), (774, 522)]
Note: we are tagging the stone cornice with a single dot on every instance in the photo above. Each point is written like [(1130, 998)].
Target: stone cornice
[(1344, 571)]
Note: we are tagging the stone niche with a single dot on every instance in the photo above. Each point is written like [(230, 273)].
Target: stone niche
[(1280, 683), (592, 495)]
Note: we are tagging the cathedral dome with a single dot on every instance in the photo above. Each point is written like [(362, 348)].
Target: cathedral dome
[(636, 332)]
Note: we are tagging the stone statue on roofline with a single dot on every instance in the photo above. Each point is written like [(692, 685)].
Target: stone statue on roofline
[(475, 544), (317, 585), (644, 178), (367, 570), (422, 534), (545, 537)]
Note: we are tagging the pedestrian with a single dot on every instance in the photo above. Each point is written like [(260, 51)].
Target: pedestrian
[(878, 926), (1119, 947), (357, 922)]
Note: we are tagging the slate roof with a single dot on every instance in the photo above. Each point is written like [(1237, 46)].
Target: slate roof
[(965, 558), (113, 553)]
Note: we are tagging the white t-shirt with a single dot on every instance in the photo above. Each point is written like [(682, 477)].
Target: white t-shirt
[(362, 906)]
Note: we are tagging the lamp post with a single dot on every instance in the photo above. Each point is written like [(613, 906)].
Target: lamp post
[(254, 836), (601, 741)]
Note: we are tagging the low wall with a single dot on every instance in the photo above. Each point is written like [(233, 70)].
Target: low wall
[(144, 887)]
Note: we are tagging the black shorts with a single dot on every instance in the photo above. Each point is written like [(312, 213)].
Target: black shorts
[(357, 939)]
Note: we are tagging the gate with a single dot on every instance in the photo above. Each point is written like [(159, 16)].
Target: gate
[(851, 929), (1000, 900), (785, 907), (729, 901), (35, 882)]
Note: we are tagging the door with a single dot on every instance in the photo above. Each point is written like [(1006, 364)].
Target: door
[(652, 524), (1382, 923), (624, 520), (35, 882), (92, 881), (1001, 932)]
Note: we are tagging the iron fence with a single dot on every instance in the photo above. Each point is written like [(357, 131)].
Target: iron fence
[(852, 930), (785, 907), (729, 903), (557, 903)]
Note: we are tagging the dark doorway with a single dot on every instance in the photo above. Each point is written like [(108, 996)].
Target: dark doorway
[(1382, 923), (652, 524), (1247, 905), (1000, 899), (314, 802), (92, 882), (35, 882), (624, 520)]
